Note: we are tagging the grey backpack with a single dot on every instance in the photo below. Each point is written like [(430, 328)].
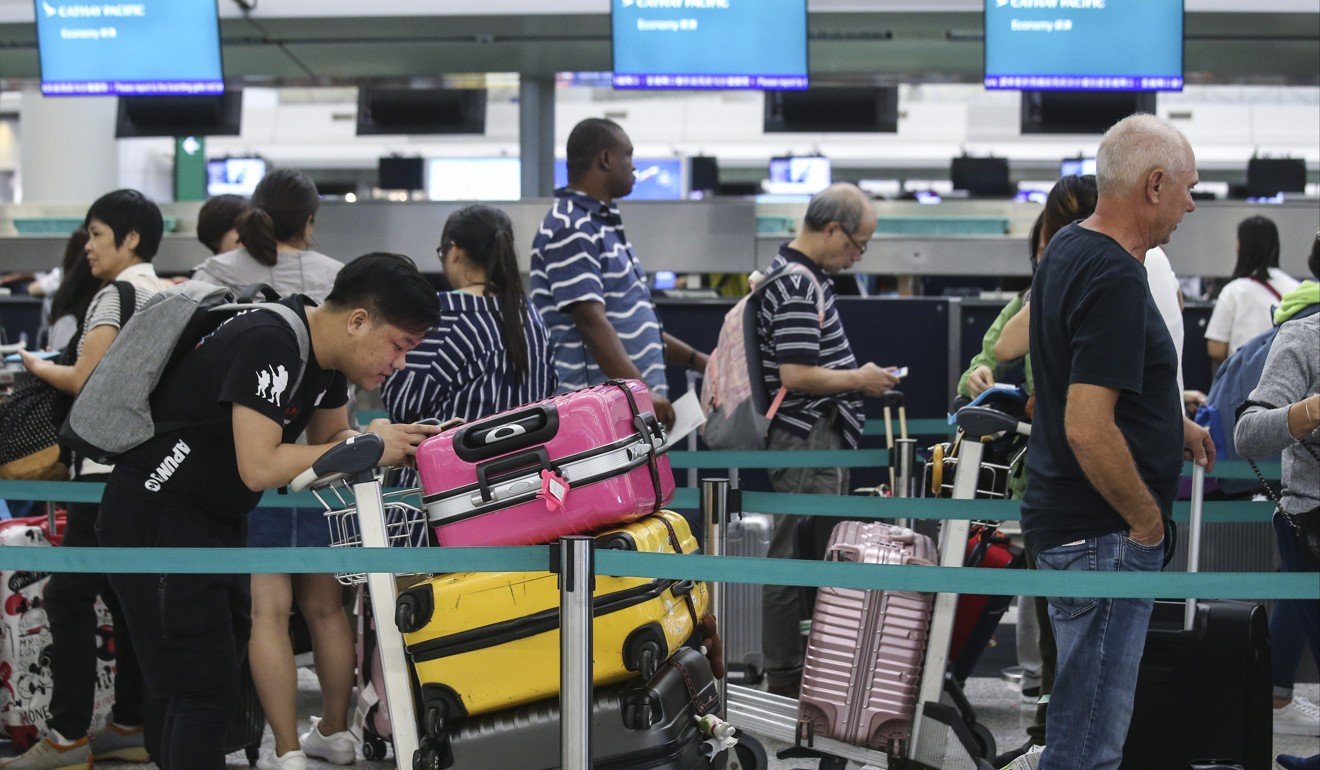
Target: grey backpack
[(112, 413)]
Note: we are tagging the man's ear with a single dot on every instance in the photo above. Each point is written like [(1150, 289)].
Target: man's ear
[(358, 320), (1155, 182), (605, 160)]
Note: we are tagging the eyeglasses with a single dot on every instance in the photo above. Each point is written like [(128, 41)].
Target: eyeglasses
[(860, 246), (441, 249)]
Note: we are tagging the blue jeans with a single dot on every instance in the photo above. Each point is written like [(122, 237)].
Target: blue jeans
[(1294, 622), (1100, 642)]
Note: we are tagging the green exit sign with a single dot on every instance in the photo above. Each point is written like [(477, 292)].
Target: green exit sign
[(190, 168)]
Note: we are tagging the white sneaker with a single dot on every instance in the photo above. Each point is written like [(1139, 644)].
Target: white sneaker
[(289, 760), (337, 749), (1028, 761), (1301, 717)]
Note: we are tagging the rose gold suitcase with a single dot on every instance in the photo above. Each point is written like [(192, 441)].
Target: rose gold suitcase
[(864, 658)]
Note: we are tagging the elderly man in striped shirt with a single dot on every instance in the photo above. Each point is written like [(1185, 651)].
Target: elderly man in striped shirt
[(804, 348), (587, 282)]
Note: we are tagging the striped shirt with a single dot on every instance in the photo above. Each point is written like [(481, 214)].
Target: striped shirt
[(461, 369), (790, 331), (581, 254)]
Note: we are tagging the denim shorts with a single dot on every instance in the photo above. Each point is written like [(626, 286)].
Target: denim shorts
[(287, 527)]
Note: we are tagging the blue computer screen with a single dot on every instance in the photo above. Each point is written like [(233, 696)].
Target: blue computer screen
[(657, 179), (145, 47), (1084, 45), (710, 44)]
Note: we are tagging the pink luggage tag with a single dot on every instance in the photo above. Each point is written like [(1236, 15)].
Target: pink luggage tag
[(554, 490)]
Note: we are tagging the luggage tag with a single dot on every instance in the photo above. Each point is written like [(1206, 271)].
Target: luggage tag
[(554, 490)]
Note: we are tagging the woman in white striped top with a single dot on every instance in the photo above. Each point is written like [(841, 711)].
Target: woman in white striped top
[(489, 351)]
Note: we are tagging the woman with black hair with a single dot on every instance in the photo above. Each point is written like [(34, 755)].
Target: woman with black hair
[(489, 351), (276, 236), (1246, 303), (70, 301)]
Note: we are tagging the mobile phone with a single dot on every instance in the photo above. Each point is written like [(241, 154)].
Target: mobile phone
[(898, 371)]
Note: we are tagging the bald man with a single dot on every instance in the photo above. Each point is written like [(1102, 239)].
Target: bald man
[(1107, 442)]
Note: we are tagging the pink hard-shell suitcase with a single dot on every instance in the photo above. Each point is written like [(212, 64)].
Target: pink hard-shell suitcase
[(866, 649), (571, 464)]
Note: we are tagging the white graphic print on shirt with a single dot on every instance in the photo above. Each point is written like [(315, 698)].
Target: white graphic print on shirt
[(276, 379)]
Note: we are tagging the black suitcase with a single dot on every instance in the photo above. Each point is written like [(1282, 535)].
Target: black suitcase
[(634, 726), (1203, 691)]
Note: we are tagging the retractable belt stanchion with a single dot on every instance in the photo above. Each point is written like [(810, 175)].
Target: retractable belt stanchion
[(715, 515), (905, 484), (577, 582)]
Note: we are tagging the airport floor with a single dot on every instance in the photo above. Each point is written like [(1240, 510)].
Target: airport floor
[(998, 706)]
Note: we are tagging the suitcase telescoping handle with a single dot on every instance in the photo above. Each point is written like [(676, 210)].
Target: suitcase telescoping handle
[(506, 433), (505, 467)]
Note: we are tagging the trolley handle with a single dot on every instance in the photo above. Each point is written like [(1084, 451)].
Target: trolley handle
[(350, 457)]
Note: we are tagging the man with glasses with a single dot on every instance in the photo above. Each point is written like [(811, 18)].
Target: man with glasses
[(804, 348)]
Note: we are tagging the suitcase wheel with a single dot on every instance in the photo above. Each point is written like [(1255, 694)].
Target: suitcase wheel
[(748, 754), (373, 747), (645, 650), (439, 704), (428, 759), (413, 610)]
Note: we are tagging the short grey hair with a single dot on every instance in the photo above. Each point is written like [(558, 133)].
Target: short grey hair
[(1135, 146), (840, 202)]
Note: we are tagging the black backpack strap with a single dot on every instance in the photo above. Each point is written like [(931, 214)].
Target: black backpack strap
[(127, 301)]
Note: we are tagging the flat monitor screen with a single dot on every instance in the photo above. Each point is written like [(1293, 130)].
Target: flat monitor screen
[(710, 44), (143, 47), (234, 176), (798, 175), (655, 179), (474, 179), (1077, 167), (1084, 45)]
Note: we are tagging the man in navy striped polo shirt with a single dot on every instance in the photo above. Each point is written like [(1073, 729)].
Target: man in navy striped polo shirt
[(804, 347), (587, 282)]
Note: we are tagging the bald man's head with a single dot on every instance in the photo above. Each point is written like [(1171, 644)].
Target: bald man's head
[(1134, 147), (840, 202)]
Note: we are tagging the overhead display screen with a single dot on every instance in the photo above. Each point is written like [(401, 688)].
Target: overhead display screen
[(147, 47), (710, 44), (656, 179), (1084, 45)]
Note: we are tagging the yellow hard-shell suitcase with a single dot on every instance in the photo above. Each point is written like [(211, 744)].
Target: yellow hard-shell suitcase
[(483, 642)]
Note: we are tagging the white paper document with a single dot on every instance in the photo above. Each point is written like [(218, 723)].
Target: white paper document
[(687, 418)]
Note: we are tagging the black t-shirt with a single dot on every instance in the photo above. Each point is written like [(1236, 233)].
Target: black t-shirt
[(250, 359), (1094, 322)]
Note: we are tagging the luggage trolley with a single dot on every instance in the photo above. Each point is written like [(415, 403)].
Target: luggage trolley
[(945, 734), (359, 515)]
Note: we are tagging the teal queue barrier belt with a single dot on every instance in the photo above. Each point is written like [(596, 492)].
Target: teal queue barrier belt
[(727, 569), (1225, 585)]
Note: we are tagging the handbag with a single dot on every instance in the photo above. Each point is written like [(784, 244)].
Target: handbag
[(1307, 523), (30, 430), (31, 418)]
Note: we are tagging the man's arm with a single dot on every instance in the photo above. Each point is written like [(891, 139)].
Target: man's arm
[(266, 462), (605, 346), (603, 341), (819, 381), (1105, 459), (679, 353)]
